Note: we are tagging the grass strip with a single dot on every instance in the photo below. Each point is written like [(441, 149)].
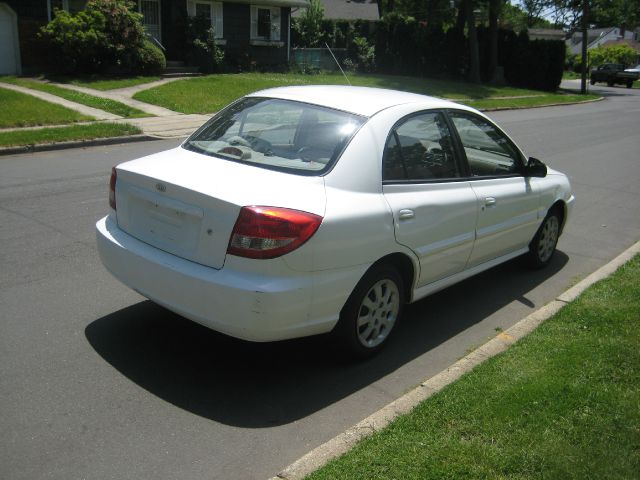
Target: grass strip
[(22, 110), (62, 134), (105, 104), (211, 93), (561, 403)]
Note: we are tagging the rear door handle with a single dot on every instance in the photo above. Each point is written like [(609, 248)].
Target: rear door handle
[(490, 202), (406, 214)]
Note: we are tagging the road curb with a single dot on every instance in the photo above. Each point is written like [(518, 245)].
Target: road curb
[(43, 147), (380, 419), (500, 109)]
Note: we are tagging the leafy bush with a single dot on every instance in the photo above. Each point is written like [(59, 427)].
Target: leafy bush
[(613, 54), (106, 37), (151, 60), (361, 54), (308, 28), (202, 50)]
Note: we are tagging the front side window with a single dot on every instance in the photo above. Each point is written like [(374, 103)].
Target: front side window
[(420, 149), (489, 152), (265, 23), (278, 134)]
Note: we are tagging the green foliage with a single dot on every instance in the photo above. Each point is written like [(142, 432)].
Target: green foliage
[(308, 28), (201, 46), (151, 60), (65, 134), (361, 54), (613, 54), (107, 36), (536, 64)]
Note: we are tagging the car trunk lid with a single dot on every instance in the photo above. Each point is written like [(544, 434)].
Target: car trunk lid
[(187, 204)]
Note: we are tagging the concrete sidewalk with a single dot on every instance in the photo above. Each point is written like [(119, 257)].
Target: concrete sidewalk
[(124, 95), (164, 124), (173, 126)]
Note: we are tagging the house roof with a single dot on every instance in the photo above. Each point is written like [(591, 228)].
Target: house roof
[(348, 10), (274, 3), (623, 41), (546, 33)]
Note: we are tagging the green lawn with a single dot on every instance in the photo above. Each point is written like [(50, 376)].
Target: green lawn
[(211, 93), (100, 82), (61, 134), (104, 104), (21, 110), (563, 403)]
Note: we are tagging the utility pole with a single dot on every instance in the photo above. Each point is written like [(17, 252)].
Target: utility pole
[(585, 39)]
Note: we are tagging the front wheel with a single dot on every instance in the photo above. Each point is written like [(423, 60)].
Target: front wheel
[(629, 83), (371, 313), (592, 81), (543, 245)]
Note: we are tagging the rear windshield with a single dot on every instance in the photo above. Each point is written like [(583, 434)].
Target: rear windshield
[(277, 134)]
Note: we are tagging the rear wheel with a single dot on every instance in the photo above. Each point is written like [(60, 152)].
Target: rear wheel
[(371, 313), (629, 83), (543, 245), (592, 81), (610, 83)]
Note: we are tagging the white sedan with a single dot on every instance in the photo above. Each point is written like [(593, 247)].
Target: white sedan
[(304, 210)]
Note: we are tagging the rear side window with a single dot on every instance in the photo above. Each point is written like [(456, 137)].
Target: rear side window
[(420, 148), (278, 134)]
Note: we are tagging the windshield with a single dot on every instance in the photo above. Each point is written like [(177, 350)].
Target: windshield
[(277, 134)]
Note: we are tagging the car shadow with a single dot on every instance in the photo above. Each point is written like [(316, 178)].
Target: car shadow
[(258, 385)]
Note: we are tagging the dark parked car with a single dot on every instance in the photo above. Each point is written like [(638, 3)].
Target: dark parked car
[(613, 73)]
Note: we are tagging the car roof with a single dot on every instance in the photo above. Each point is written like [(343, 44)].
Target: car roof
[(364, 101)]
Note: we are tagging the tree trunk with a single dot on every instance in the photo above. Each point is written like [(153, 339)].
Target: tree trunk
[(495, 6), (474, 52)]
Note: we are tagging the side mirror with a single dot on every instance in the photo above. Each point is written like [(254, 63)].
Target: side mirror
[(535, 168)]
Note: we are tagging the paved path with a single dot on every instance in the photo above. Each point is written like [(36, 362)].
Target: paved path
[(123, 95), (175, 126), (164, 124), (85, 110)]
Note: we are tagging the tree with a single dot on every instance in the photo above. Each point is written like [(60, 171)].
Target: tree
[(310, 25), (472, 33)]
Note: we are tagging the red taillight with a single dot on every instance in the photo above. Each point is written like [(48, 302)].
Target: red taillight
[(269, 232), (112, 188)]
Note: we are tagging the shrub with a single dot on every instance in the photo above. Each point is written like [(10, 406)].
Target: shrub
[(361, 54), (623, 54), (107, 36), (151, 60), (202, 50)]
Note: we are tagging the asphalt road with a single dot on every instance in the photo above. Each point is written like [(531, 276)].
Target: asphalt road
[(98, 383)]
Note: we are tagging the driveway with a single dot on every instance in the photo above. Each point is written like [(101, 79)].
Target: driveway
[(96, 382)]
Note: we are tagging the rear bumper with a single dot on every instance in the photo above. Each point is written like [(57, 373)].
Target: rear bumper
[(271, 306)]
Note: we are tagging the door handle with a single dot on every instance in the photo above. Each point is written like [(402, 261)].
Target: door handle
[(406, 214), (490, 202)]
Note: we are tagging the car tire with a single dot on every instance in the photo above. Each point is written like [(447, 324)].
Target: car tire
[(592, 81), (610, 83), (371, 313), (543, 245), (629, 83)]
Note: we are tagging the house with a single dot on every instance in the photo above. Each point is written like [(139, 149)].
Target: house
[(255, 29), (546, 34), (348, 10), (597, 37)]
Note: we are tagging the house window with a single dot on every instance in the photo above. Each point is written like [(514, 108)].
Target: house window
[(71, 6), (209, 10), (265, 23)]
